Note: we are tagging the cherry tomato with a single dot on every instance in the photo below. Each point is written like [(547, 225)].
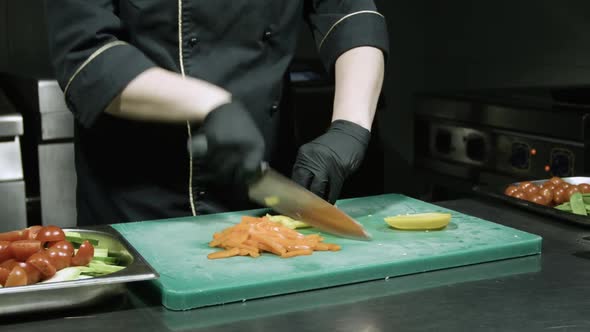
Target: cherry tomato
[(84, 254), (571, 190), (559, 195), (556, 180), (17, 277), (510, 190), (3, 276), (33, 275), (59, 258), (63, 245), (584, 188), (31, 232), (50, 233), (40, 260), (519, 195), (5, 252), (549, 184), (547, 193), (537, 199), (525, 184), (9, 264), (531, 190), (12, 236), (23, 249)]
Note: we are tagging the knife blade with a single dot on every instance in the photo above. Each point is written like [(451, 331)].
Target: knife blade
[(288, 198), (271, 189)]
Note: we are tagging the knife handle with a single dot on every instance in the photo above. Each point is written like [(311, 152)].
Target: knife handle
[(198, 147)]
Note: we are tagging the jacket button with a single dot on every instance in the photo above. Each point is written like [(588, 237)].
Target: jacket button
[(274, 108), (193, 42), (267, 35)]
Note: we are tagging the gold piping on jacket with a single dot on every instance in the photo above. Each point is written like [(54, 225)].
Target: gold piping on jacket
[(180, 57), (344, 18), (188, 125), (92, 57)]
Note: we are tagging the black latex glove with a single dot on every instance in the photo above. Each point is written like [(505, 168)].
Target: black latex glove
[(234, 145), (323, 164)]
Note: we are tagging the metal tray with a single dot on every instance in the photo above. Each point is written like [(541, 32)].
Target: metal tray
[(84, 292), (497, 192)]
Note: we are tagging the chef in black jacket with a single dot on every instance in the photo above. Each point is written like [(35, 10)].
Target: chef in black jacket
[(143, 76)]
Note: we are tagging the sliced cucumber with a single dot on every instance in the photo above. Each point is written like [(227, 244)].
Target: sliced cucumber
[(69, 273), (108, 260)]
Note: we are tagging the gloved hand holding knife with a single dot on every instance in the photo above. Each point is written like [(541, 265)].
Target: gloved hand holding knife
[(234, 148), (231, 142)]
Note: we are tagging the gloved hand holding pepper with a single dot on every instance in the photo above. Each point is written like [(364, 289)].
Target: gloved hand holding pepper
[(323, 164)]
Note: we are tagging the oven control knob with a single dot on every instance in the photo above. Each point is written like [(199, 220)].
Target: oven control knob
[(520, 156), (475, 147), (561, 164), (442, 141)]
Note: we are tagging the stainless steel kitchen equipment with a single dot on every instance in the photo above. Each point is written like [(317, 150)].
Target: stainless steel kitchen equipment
[(495, 139), (57, 173), (12, 184), (26, 76)]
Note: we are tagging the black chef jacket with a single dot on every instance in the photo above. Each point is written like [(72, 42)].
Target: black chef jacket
[(129, 170)]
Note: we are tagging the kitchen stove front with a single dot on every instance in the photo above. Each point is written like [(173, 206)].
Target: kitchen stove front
[(463, 141)]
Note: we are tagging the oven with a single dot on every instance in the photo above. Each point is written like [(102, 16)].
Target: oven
[(463, 140)]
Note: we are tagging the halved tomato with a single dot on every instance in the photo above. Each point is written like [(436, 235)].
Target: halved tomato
[(50, 233), (63, 245), (40, 260), (12, 236), (17, 277), (84, 254), (3, 276), (5, 252), (33, 275), (31, 232), (59, 258), (23, 249), (9, 264)]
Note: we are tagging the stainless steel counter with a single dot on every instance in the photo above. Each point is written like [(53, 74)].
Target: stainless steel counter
[(548, 292)]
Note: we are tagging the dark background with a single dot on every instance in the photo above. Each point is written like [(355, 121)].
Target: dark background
[(436, 46)]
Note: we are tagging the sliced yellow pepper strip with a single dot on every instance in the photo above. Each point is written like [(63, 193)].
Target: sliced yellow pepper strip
[(419, 221)]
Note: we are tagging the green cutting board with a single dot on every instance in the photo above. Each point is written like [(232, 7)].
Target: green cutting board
[(178, 248)]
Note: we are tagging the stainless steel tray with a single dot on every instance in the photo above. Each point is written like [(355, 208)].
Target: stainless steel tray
[(497, 192), (84, 292)]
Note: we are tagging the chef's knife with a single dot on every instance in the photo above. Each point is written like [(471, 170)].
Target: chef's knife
[(269, 188)]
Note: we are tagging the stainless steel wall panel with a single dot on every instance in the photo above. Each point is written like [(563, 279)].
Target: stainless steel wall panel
[(13, 205), (11, 166), (57, 125), (57, 184), (51, 98)]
